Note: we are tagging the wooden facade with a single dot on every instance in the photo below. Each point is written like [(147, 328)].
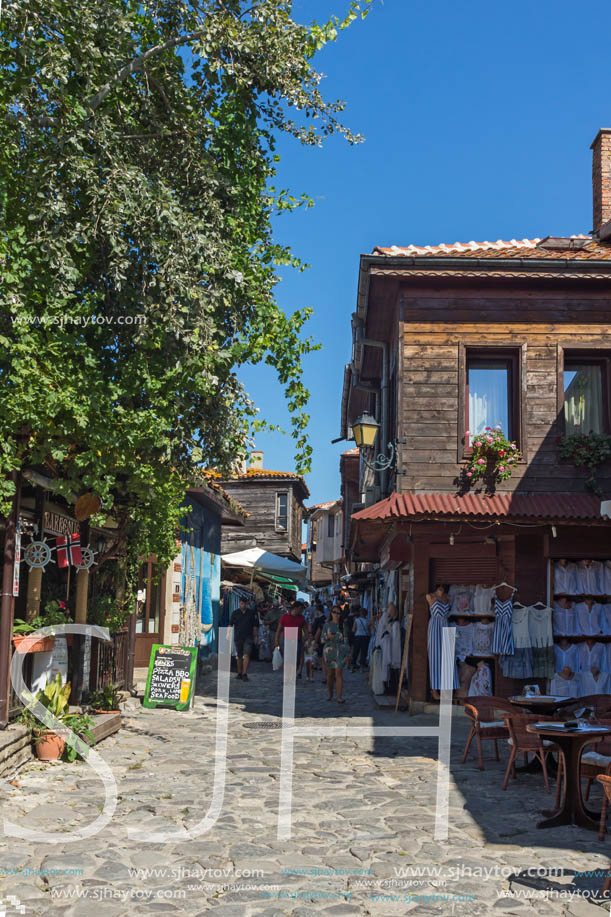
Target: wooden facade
[(433, 314), (274, 502)]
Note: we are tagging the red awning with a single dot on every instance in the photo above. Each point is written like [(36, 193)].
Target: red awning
[(583, 507)]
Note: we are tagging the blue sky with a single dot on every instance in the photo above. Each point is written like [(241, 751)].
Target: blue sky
[(477, 117)]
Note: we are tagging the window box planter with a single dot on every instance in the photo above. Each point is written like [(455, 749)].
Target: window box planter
[(32, 643)]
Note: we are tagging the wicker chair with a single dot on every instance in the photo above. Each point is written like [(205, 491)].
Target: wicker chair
[(605, 780), (485, 724), (522, 741)]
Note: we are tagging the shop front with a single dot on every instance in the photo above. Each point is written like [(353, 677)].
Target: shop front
[(494, 555)]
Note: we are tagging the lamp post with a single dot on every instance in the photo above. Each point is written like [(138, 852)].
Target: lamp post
[(365, 430)]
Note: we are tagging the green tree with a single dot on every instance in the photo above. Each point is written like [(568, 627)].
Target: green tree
[(137, 257)]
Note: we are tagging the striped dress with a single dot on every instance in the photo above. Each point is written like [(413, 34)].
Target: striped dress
[(437, 623), (502, 641)]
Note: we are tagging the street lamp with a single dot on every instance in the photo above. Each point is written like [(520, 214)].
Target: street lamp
[(365, 430)]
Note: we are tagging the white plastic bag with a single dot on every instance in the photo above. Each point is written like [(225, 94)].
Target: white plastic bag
[(277, 659)]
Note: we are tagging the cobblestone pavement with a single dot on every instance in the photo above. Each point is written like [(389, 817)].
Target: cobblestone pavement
[(363, 822)]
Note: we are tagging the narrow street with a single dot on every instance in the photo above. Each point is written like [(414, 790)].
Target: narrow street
[(363, 812)]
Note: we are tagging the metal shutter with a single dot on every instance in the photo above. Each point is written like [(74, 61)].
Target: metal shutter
[(464, 571)]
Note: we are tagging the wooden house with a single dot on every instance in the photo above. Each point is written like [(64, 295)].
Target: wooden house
[(448, 340), (274, 503), (325, 543)]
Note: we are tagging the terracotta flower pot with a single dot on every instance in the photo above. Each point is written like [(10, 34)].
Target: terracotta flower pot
[(49, 746), (31, 643)]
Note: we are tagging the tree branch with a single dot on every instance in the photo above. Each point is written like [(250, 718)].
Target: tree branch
[(136, 64)]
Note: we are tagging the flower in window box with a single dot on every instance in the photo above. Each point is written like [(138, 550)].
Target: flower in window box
[(469, 474), (481, 461)]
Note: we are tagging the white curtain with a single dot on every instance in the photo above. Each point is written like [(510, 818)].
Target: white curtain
[(583, 399), (487, 399)]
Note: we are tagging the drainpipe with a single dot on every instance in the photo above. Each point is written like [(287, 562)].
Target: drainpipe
[(8, 601), (384, 431)]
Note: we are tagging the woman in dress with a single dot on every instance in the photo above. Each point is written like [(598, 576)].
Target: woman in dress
[(335, 653), (439, 605)]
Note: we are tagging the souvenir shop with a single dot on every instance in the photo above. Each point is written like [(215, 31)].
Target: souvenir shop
[(530, 600), (529, 616)]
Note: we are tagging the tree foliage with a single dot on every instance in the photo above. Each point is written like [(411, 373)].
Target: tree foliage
[(138, 262)]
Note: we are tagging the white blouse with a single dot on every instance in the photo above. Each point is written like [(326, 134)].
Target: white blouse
[(590, 578), (482, 639), (607, 577), (588, 619), (461, 603), (589, 658), (566, 657), (463, 644), (605, 619), (482, 600), (590, 685), (565, 579), (565, 687), (565, 621)]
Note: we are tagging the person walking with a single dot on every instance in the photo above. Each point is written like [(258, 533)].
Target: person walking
[(335, 653), (293, 618), (245, 622), (361, 640), (319, 622)]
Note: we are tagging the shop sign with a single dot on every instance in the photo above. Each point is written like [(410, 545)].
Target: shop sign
[(171, 677), (16, 562), (56, 524)]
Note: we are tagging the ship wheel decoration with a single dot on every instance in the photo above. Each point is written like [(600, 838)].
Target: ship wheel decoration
[(37, 554), (88, 559)]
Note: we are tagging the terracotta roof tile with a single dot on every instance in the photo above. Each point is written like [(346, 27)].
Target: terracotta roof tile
[(577, 248), (480, 506)]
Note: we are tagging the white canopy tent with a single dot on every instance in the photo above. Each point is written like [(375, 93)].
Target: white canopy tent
[(258, 560)]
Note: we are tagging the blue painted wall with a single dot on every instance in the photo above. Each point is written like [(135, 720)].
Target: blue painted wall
[(200, 550)]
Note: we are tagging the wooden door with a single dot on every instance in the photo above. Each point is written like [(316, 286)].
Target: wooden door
[(151, 612)]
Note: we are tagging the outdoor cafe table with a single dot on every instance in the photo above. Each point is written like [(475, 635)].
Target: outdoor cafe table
[(571, 743), (545, 704)]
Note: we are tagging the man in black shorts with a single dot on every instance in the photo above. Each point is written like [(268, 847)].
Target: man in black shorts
[(245, 623)]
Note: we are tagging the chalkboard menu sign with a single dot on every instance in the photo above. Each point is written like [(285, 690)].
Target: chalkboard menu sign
[(171, 677)]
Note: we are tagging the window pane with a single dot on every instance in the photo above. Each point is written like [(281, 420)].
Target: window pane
[(281, 510), (583, 398), (489, 397), (155, 604)]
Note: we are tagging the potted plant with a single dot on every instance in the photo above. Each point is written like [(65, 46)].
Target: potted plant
[(49, 744), (57, 612), (106, 700), (492, 459), (24, 643)]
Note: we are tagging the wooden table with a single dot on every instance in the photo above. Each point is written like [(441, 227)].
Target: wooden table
[(541, 704), (571, 743)]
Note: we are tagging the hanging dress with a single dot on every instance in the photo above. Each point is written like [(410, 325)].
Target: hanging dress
[(438, 621), (607, 577), (519, 664), (542, 640), (502, 641)]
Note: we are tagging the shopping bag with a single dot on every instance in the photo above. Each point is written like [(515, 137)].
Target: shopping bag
[(277, 659)]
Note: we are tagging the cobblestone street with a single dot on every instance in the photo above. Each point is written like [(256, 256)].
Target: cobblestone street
[(363, 811)]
